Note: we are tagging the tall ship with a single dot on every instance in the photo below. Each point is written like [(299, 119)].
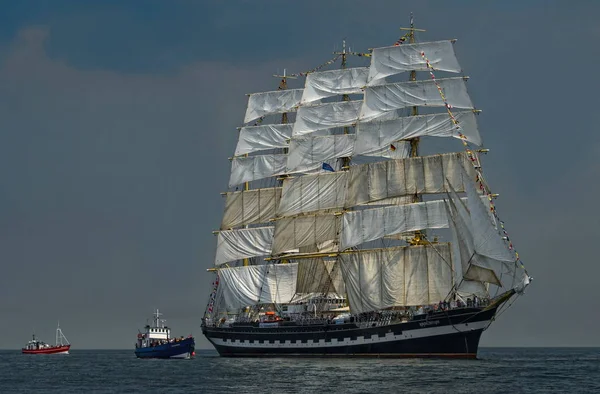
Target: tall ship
[(35, 346), (156, 342), (342, 235)]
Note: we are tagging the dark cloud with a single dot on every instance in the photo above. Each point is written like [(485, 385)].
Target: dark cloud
[(116, 122)]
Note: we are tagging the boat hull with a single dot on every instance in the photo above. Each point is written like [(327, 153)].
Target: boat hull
[(451, 334), (51, 350), (180, 349)]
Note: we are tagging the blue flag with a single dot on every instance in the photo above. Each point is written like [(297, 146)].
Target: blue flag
[(327, 167)]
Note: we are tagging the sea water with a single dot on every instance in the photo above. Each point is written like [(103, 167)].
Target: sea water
[(497, 370)]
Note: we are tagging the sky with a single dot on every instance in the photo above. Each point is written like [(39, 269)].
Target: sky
[(117, 119)]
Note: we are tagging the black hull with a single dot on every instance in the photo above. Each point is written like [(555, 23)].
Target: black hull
[(451, 334)]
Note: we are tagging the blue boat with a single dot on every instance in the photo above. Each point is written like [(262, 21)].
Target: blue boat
[(156, 342)]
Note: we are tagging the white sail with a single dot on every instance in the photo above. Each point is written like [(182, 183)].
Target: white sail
[(368, 183), (469, 288), (373, 135), (246, 169), (475, 266), (381, 98), (266, 103), (268, 136), (258, 284), (400, 276), (486, 238), (415, 175), (312, 149), (392, 201), (324, 84), (250, 206), (395, 151), (336, 114), (369, 224), (461, 234), (318, 276), (313, 192), (243, 243), (407, 57), (293, 233), (307, 150)]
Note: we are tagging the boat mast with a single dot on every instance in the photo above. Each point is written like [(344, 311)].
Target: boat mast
[(157, 318), (283, 86), (345, 97), (419, 236), (60, 336), (414, 142)]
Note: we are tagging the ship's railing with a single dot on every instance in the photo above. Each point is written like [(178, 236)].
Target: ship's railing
[(366, 319)]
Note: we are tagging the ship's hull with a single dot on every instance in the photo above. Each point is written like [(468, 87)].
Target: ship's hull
[(51, 350), (180, 349), (447, 334)]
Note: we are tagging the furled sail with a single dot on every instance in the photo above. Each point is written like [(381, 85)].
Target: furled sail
[(407, 57), (243, 243), (266, 103), (399, 276), (250, 206), (258, 284), (335, 114), (381, 98), (324, 84), (375, 134), (369, 224)]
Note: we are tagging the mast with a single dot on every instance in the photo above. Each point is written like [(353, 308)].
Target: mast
[(157, 318), (60, 336), (345, 97), (283, 86), (419, 236), (414, 142)]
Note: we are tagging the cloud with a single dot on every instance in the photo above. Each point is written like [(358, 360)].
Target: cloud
[(111, 171), (110, 187)]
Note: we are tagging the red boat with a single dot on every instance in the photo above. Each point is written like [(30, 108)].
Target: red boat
[(35, 346)]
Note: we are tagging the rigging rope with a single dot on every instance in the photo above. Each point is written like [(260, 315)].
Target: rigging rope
[(473, 158), (305, 73)]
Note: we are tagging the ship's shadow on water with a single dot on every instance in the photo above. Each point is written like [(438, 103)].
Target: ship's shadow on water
[(518, 370)]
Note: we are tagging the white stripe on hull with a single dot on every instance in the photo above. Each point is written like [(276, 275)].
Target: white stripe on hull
[(360, 340)]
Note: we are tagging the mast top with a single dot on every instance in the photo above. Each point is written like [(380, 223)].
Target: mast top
[(412, 29), (284, 76), (343, 52), (157, 316)]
